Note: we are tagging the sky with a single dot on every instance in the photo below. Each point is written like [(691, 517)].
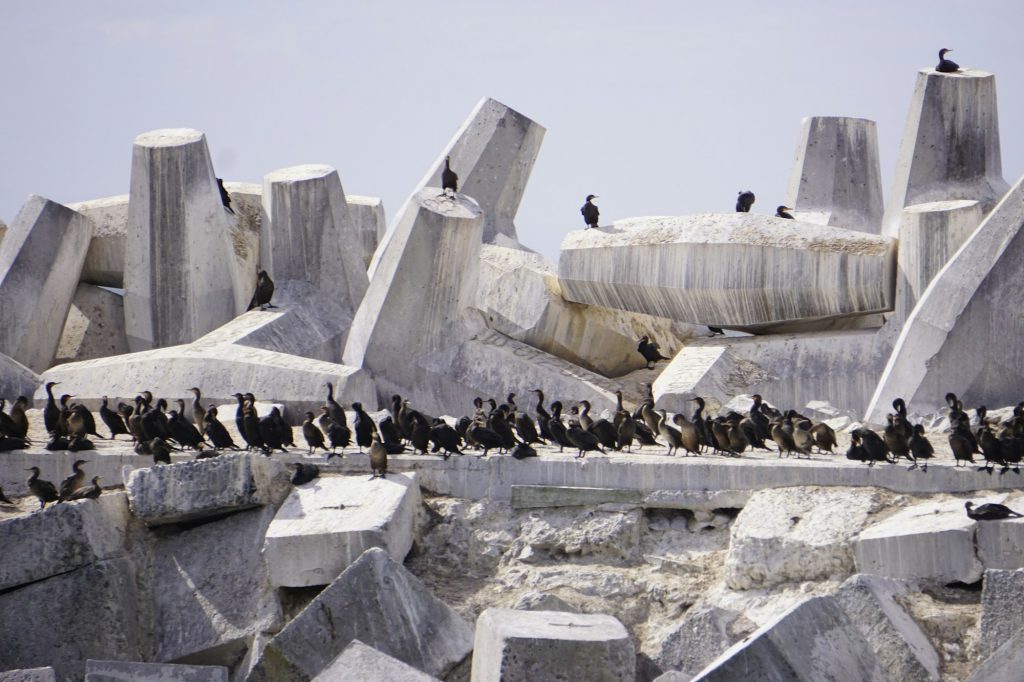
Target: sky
[(660, 108)]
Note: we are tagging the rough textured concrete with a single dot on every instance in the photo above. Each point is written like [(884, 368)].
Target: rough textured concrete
[(40, 261), (368, 217), (543, 601), (950, 145), (974, 302), (902, 648), (201, 610), (836, 172), (177, 281), (1001, 543), (1001, 615), (729, 269), (124, 671), (29, 675), (208, 487), (358, 663), (326, 525), (244, 230), (96, 608), (378, 602), (104, 262), (689, 646), (814, 641), (16, 379), (545, 646), (94, 327), (1005, 664), (62, 537)]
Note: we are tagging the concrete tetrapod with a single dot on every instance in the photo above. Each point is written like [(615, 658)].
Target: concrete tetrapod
[(104, 262), (94, 327), (16, 379)]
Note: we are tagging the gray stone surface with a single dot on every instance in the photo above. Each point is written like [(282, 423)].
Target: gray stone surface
[(124, 671), (208, 487), (378, 602), (836, 172), (729, 269), (94, 327), (16, 379), (1001, 616), (703, 634), (545, 646), (178, 250), (950, 145), (104, 262), (244, 230), (1001, 543), (543, 601), (211, 591), (95, 607), (545, 496), (368, 216), (324, 526), (812, 642), (29, 675), (62, 537), (674, 676), (903, 649), (1005, 664), (974, 302), (359, 663), (40, 260)]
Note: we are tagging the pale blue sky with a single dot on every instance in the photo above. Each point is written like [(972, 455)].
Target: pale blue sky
[(658, 107)]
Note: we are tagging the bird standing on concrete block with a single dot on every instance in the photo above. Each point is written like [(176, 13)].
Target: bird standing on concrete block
[(744, 200), (590, 212), (946, 65), (224, 197), (990, 512), (264, 291), (449, 180), (784, 212), (650, 350)]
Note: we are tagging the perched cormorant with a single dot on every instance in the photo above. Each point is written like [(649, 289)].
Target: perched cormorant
[(88, 492), (650, 350), (672, 435), (334, 409), (946, 65), (304, 473), (19, 417), (72, 482), (216, 432), (744, 200), (225, 198), (78, 442), (583, 441), (715, 331), (378, 459), (160, 450), (487, 438), (313, 435), (783, 212), (198, 413), (264, 292), (364, 427), (445, 438), (557, 428), (51, 413), (824, 437), (449, 179), (43, 490), (921, 447), (523, 451), (590, 212), (184, 433), (989, 512), (112, 419)]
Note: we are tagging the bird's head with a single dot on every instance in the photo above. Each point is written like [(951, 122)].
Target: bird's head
[(943, 51), (591, 196)]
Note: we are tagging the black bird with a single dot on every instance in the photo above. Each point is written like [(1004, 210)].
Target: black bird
[(449, 180), (582, 440), (946, 65), (313, 435), (590, 212), (339, 435), (270, 431), (7, 425), (112, 419), (650, 350), (715, 331), (51, 413), (334, 409), (921, 447), (161, 451), (88, 492), (445, 438), (744, 200), (186, 434), (251, 426), (19, 417), (198, 413), (390, 434), (304, 473), (542, 415), (523, 451), (43, 490), (364, 426), (486, 438), (557, 428), (79, 442), (56, 443), (224, 197), (216, 432), (990, 512), (72, 482), (81, 422), (783, 212), (378, 459), (264, 292)]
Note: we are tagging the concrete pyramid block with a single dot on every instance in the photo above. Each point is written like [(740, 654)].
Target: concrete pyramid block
[(836, 172), (104, 262), (94, 327), (359, 662), (125, 671), (40, 261), (378, 602), (729, 270)]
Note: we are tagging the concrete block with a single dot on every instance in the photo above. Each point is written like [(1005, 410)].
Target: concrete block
[(211, 591), (367, 215), (124, 671), (836, 172), (104, 262), (813, 641), (950, 145), (358, 663), (378, 602), (544, 646), (244, 230), (61, 538), (1001, 543), (16, 379), (701, 637), (207, 487), (545, 496), (1001, 614), (729, 270), (1005, 664), (94, 327), (325, 526), (95, 607), (493, 153), (177, 279), (40, 261), (931, 542), (29, 675), (902, 647), (543, 601), (974, 302)]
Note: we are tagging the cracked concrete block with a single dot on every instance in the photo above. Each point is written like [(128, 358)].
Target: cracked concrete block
[(546, 646), (124, 671), (94, 327), (836, 172), (729, 269), (325, 526), (358, 663), (104, 262), (40, 261), (368, 217), (703, 634)]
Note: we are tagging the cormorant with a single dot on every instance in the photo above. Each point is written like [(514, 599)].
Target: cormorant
[(946, 65), (650, 350), (313, 435), (72, 482), (715, 331), (43, 490), (198, 413), (744, 200), (334, 409), (783, 212), (79, 442), (824, 437), (378, 459), (364, 427), (19, 417), (523, 451), (51, 413), (449, 179), (112, 419), (921, 447), (672, 435), (264, 292), (419, 433), (487, 438), (583, 440), (88, 492), (56, 443), (445, 438), (304, 473), (557, 428), (225, 198), (186, 434), (216, 432), (590, 212), (990, 512), (898, 444), (161, 451)]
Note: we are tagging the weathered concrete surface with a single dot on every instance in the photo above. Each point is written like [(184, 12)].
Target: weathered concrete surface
[(29, 675), (378, 602), (244, 230), (903, 649), (324, 526), (1001, 543), (795, 535), (94, 327), (836, 172), (358, 663), (493, 154), (545, 646), (973, 303), (542, 496), (210, 590), (16, 379), (208, 487), (95, 607), (729, 269), (104, 262), (177, 280), (61, 538), (367, 215), (124, 671), (543, 601), (1001, 616), (814, 641), (697, 640), (1005, 664), (40, 260), (950, 145)]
